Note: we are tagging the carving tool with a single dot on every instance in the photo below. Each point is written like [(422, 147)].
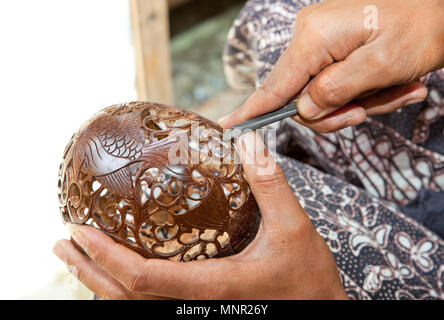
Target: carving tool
[(260, 121)]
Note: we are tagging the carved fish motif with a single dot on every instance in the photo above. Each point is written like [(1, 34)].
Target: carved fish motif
[(109, 144)]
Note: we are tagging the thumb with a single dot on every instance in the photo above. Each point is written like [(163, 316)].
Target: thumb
[(267, 181)]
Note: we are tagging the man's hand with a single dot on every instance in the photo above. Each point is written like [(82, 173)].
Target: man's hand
[(287, 259), (346, 64)]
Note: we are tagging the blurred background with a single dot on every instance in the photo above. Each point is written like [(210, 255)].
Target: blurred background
[(60, 62)]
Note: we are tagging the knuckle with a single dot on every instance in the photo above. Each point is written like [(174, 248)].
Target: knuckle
[(110, 293), (267, 84), (310, 20), (79, 273), (333, 93), (135, 281), (379, 58), (270, 183), (97, 256), (382, 60), (268, 87), (347, 121), (303, 230), (76, 272), (303, 12)]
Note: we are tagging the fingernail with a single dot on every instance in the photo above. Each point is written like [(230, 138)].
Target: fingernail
[(221, 120), (246, 144), (72, 227), (254, 152), (58, 250), (76, 234), (413, 101), (307, 108)]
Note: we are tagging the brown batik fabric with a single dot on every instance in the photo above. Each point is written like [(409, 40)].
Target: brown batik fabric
[(366, 174)]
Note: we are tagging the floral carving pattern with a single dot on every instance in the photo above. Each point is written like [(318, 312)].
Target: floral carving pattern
[(117, 175)]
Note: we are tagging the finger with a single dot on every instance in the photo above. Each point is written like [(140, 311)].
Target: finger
[(279, 86), (93, 277), (355, 113), (164, 278), (313, 47), (394, 98), (350, 115), (289, 75), (343, 81), (276, 201)]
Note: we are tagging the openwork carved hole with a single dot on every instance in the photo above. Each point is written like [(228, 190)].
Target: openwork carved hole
[(107, 212), (162, 218), (193, 252), (190, 237), (224, 240), (237, 199), (146, 235), (169, 248), (151, 125), (165, 233), (128, 230), (211, 250), (208, 235)]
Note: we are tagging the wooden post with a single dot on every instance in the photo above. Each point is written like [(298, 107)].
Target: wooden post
[(151, 42), (176, 3)]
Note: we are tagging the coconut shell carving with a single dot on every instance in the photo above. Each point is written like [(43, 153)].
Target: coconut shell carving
[(128, 173)]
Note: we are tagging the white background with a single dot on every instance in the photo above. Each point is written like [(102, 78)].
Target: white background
[(60, 62)]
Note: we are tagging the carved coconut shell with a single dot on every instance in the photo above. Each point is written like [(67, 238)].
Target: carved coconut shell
[(159, 180)]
